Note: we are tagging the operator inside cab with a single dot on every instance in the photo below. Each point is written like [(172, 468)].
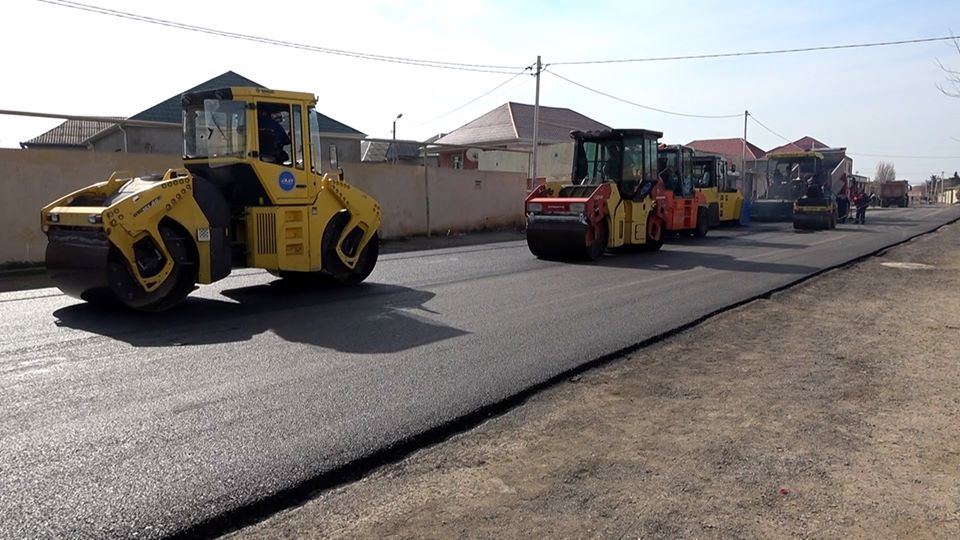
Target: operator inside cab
[(273, 136)]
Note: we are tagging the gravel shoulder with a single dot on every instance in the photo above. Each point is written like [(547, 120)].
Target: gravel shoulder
[(829, 410)]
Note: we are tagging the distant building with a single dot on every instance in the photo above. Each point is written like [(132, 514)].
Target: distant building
[(733, 150), (400, 152), (804, 144), (918, 194), (950, 195), (510, 127), (108, 137), (70, 135)]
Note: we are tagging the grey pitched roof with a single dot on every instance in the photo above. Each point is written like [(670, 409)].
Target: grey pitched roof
[(169, 110), (329, 125), (71, 133), (513, 123), (79, 132), (378, 151)]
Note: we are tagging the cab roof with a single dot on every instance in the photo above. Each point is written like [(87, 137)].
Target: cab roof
[(616, 134), (249, 93)]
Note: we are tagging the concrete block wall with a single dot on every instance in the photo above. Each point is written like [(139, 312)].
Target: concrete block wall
[(411, 196)]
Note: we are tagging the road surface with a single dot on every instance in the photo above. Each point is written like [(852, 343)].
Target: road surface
[(115, 425)]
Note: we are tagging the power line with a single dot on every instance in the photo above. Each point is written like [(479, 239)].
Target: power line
[(861, 154), (485, 68), (761, 124), (894, 156), (478, 98), (761, 52), (635, 104)]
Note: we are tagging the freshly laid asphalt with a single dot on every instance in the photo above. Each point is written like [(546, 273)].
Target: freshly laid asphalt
[(115, 424)]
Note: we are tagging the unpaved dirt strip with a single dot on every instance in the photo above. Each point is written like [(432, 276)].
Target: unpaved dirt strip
[(829, 410)]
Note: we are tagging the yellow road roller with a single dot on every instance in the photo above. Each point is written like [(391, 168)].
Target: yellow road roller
[(251, 194)]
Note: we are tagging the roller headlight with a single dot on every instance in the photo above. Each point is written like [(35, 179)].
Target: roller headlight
[(577, 207), (534, 207)]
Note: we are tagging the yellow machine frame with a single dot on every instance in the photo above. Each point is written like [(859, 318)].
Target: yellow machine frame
[(283, 232)]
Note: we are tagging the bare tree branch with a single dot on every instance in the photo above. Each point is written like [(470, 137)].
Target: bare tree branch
[(886, 172), (953, 76)]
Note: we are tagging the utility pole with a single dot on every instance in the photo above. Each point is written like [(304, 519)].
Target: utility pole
[(743, 158), (536, 125)]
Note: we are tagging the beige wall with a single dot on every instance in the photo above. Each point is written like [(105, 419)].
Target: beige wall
[(459, 200), (31, 179), (554, 161), (950, 196)]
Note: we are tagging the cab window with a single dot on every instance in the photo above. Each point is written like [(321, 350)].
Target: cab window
[(633, 162), (297, 126), (650, 159), (315, 155), (274, 133)]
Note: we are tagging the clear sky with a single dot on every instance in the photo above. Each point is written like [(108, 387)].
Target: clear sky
[(873, 101)]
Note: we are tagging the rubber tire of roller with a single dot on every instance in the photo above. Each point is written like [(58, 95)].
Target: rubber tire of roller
[(703, 225), (596, 250)]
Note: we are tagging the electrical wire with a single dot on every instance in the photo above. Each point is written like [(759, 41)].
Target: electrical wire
[(478, 98), (895, 156), (635, 104), (761, 124), (760, 52), (861, 154), (485, 68)]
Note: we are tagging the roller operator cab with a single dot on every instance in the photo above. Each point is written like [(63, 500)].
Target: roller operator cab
[(254, 192), (712, 178), (687, 208), (614, 199)]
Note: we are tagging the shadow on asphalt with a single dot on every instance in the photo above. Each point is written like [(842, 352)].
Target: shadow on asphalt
[(364, 319), (675, 260), (746, 242)]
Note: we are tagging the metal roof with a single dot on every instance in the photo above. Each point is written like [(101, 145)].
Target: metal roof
[(169, 110), (513, 123), (71, 133)]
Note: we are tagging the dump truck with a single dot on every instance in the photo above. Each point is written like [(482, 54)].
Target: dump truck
[(251, 193), (895, 193), (711, 178), (626, 191)]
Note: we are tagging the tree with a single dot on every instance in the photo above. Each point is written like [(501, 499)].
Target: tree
[(952, 88), (886, 172)]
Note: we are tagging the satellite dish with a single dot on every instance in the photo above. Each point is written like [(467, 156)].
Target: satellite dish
[(473, 154)]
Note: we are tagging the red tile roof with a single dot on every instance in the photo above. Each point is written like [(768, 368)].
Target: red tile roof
[(732, 149), (804, 144)]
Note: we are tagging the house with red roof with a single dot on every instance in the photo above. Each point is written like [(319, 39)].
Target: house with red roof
[(804, 144), (733, 150)]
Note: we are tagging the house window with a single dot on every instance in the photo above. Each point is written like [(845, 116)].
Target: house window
[(457, 161)]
